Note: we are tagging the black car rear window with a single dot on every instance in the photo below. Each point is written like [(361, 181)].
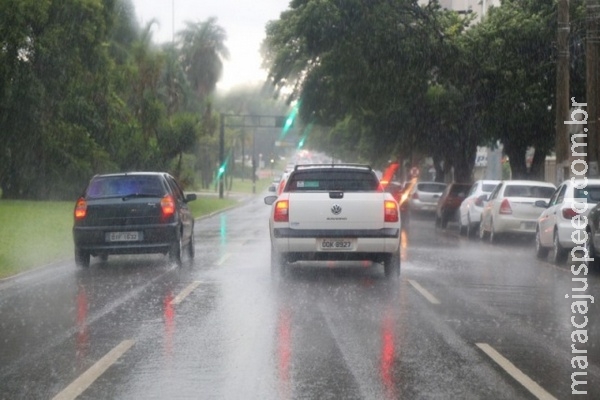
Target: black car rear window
[(332, 180), (117, 186), (528, 191)]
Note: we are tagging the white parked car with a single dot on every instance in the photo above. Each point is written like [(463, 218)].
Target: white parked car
[(469, 212), (511, 208), (554, 225), (425, 195)]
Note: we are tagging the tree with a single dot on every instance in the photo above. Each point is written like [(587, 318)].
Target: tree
[(203, 48)]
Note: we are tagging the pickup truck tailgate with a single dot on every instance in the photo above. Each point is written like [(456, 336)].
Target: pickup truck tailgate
[(323, 210)]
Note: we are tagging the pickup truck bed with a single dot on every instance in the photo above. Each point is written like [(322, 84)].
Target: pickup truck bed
[(334, 212)]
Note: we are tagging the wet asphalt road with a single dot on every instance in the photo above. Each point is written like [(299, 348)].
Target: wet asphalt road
[(466, 320)]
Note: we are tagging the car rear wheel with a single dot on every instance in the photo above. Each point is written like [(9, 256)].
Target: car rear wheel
[(175, 251), (279, 263), (482, 232), (191, 247), (391, 265), (82, 258), (591, 261), (494, 236), (560, 253), (541, 252)]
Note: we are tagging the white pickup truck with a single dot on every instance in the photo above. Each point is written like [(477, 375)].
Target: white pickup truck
[(334, 212)]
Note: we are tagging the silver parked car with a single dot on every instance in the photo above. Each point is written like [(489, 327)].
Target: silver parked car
[(425, 195)]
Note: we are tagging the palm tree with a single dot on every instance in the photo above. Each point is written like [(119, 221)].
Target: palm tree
[(203, 52)]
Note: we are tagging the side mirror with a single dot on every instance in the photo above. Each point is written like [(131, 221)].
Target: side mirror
[(269, 200), (190, 197), (541, 204)]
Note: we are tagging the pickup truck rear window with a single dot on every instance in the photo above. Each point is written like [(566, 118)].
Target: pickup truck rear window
[(351, 181)]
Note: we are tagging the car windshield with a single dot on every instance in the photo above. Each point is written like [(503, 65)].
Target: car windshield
[(124, 186)]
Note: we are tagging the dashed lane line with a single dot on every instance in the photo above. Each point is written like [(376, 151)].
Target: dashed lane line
[(223, 258), (185, 292), (516, 373), (424, 292), (84, 381)]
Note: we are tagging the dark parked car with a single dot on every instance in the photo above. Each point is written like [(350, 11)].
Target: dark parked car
[(449, 202), (133, 213)]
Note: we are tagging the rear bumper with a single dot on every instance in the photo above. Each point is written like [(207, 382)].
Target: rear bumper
[(508, 224), (304, 244), (155, 239)]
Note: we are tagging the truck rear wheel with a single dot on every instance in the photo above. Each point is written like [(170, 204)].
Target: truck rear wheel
[(391, 265)]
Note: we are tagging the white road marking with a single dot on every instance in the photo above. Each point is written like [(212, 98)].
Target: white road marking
[(223, 258), (185, 292), (85, 380), (515, 372), (424, 292)]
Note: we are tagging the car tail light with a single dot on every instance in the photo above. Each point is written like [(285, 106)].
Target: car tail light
[(282, 211), (505, 207), (391, 211), (81, 208), (569, 213), (168, 206)]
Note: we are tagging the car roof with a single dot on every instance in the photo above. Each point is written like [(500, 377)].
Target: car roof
[(529, 182), (133, 173)]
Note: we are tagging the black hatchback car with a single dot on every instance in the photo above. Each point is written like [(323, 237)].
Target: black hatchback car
[(133, 213)]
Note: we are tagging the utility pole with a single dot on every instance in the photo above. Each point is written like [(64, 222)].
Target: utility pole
[(562, 91), (591, 80)]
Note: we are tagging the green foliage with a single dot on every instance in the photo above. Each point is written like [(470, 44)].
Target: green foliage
[(83, 90)]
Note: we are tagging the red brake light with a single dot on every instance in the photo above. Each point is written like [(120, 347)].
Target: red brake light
[(168, 206), (505, 207), (391, 211), (81, 208), (569, 213), (282, 211)]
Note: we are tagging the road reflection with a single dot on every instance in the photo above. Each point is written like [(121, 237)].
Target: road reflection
[(304, 305), (82, 339)]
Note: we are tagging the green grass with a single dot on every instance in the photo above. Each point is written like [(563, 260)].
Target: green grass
[(36, 233)]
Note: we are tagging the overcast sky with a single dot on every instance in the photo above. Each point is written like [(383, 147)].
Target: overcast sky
[(243, 20)]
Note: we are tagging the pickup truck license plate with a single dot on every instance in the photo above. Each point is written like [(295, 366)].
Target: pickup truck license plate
[(337, 244), (123, 236)]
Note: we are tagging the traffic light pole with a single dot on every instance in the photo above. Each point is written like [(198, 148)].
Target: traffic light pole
[(247, 121)]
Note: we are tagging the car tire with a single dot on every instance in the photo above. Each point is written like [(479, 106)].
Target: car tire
[(391, 265), (482, 232), (279, 264), (541, 252), (82, 258), (462, 229), (444, 221), (560, 254), (191, 246), (175, 251), (494, 236), (594, 263)]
